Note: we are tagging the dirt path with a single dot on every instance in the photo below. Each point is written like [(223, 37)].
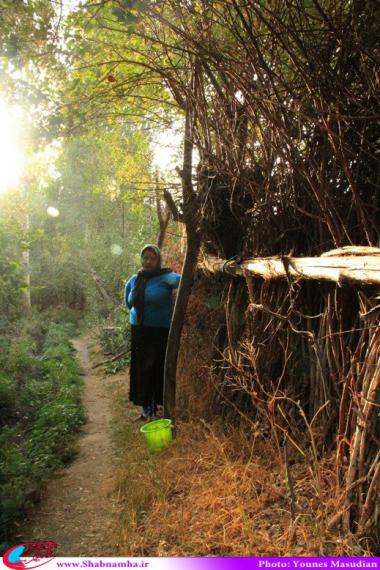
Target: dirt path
[(78, 509)]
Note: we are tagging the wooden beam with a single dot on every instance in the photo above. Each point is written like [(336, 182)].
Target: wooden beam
[(338, 266)]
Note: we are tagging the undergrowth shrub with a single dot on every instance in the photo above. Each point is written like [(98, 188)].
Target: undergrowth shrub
[(21, 359), (40, 405), (7, 398), (15, 480), (114, 337)]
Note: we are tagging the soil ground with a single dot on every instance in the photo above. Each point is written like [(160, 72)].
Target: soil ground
[(79, 507)]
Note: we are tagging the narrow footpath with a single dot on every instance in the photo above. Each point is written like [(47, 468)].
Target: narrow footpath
[(78, 508)]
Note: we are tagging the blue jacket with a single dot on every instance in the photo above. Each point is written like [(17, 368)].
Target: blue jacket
[(158, 306)]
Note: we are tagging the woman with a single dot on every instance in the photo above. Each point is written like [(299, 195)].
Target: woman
[(149, 296)]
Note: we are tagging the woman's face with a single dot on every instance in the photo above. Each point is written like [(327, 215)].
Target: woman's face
[(149, 260)]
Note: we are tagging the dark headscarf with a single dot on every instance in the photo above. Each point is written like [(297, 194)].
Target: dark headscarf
[(143, 277)]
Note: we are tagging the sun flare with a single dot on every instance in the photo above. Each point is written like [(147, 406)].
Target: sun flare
[(12, 160)]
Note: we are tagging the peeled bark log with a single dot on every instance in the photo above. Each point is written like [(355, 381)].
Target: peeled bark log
[(338, 268), (109, 300)]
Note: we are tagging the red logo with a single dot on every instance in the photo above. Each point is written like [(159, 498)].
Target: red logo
[(31, 554)]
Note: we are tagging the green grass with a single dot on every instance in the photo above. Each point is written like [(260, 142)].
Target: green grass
[(41, 411)]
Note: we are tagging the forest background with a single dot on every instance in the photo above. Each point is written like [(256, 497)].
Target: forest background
[(277, 105)]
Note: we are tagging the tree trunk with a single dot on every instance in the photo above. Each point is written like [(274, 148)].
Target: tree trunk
[(163, 213), (190, 218), (174, 340), (26, 264)]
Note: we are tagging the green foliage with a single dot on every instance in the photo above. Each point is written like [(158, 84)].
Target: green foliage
[(115, 339), (58, 335), (101, 182), (125, 85), (100, 193), (15, 482), (12, 278), (40, 406), (47, 446), (8, 394), (24, 28), (21, 358), (117, 365)]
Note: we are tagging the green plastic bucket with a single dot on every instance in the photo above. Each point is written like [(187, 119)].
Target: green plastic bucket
[(158, 434)]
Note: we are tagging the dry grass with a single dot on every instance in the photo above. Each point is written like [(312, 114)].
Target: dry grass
[(217, 494)]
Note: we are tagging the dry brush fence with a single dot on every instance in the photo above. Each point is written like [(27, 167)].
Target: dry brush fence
[(282, 103), (302, 357)]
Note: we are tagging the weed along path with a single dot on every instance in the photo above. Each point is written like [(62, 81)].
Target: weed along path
[(78, 508)]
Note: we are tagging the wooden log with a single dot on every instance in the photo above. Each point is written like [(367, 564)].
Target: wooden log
[(352, 250), (116, 357), (338, 268), (110, 300)]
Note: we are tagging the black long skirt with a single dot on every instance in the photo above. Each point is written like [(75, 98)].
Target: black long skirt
[(148, 348)]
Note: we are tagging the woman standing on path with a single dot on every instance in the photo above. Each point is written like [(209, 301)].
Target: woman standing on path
[(149, 296)]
